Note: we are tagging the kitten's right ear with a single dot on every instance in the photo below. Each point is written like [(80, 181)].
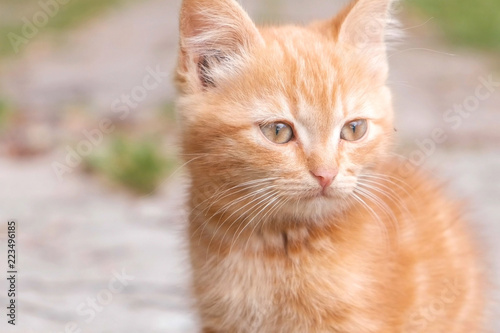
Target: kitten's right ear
[(215, 36), (364, 26)]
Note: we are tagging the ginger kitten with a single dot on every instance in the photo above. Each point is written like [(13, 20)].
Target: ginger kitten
[(300, 219)]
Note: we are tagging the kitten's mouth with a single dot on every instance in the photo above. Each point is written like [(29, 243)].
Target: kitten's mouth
[(322, 193), (330, 193)]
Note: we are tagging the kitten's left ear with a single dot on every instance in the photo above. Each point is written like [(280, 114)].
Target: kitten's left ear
[(364, 26)]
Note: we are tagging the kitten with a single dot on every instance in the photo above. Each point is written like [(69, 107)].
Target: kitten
[(300, 219)]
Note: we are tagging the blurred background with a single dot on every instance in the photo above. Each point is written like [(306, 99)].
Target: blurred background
[(88, 165)]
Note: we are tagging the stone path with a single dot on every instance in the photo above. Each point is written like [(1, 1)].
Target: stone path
[(76, 236)]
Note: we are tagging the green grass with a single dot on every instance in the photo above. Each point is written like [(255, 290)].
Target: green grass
[(167, 111), (68, 16), (5, 46), (5, 113), (470, 23), (77, 11), (138, 165)]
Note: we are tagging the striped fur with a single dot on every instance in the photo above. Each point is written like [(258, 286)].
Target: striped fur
[(381, 250)]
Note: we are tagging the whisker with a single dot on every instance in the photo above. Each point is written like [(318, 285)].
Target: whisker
[(375, 216), (259, 198), (388, 193), (253, 218), (262, 200), (258, 183), (382, 206), (245, 186), (420, 49), (276, 207), (391, 180)]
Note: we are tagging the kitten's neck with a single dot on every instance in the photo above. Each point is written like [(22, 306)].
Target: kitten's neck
[(272, 238)]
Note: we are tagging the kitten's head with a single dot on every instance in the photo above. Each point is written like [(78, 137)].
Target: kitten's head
[(284, 119)]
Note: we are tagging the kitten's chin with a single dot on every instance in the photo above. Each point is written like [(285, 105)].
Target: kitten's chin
[(318, 209)]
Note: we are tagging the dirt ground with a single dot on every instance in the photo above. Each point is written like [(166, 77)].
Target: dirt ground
[(99, 260)]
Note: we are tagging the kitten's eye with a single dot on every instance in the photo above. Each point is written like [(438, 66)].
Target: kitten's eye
[(277, 132), (354, 130)]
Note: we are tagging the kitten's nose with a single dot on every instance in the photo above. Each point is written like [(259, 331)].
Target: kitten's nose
[(325, 176)]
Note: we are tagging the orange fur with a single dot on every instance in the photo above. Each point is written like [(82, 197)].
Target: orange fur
[(376, 251)]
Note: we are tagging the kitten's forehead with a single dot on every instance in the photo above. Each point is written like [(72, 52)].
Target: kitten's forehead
[(312, 90)]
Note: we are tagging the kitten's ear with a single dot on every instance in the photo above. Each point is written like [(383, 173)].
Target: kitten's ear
[(364, 26), (215, 35)]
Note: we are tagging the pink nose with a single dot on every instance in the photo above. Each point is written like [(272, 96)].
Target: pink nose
[(325, 177)]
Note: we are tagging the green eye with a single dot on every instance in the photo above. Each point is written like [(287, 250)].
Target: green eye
[(277, 132), (354, 130)]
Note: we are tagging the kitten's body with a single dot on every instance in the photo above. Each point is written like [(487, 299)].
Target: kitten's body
[(351, 274), (376, 249)]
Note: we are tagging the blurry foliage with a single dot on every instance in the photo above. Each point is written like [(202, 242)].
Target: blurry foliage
[(138, 164), (5, 113), (473, 23), (67, 16), (77, 11), (5, 47), (168, 111)]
